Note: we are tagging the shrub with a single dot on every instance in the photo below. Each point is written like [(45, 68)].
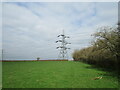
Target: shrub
[(104, 51)]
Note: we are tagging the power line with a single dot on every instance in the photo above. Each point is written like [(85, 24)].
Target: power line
[(63, 47)]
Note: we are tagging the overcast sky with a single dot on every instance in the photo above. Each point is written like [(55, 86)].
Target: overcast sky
[(31, 29)]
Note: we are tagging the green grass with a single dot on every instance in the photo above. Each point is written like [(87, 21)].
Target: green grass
[(54, 74)]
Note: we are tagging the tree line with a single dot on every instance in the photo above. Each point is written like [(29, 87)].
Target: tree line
[(104, 50)]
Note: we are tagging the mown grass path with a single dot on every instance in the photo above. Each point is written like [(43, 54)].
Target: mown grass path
[(54, 74)]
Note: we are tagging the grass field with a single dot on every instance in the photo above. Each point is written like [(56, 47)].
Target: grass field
[(54, 74)]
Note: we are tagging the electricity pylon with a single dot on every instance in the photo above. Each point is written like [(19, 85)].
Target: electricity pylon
[(63, 48)]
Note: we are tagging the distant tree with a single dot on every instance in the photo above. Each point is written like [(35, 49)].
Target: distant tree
[(38, 58)]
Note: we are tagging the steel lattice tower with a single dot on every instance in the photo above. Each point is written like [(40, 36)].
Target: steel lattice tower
[(63, 48)]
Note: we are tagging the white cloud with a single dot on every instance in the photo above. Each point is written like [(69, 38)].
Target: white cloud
[(30, 29)]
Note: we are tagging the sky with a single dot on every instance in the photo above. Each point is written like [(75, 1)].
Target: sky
[(30, 29)]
